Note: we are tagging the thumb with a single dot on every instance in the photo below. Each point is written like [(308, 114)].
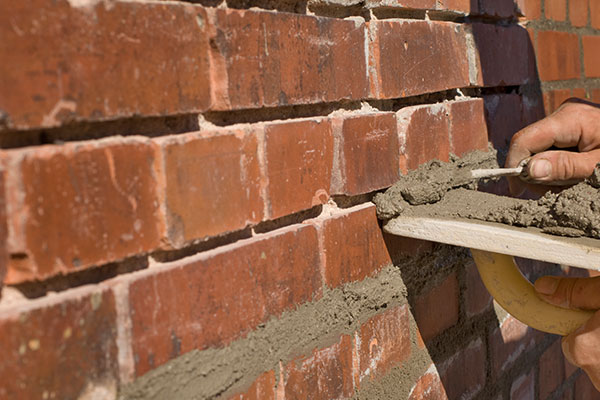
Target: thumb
[(581, 293), (562, 167)]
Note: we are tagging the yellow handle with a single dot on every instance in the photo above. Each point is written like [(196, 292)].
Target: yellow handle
[(516, 295)]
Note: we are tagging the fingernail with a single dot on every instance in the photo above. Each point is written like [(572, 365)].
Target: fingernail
[(540, 169), (546, 285)]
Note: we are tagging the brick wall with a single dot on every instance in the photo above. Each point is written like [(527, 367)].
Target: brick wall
[(186, 195)]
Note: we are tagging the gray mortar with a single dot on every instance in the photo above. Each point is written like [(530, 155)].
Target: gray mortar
[(216, 373), (440, 190)]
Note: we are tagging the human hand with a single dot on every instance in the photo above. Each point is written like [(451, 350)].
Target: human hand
[(576, 123), (582, 347)]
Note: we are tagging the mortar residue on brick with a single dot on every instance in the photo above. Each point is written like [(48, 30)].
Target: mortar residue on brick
[(446, 190)]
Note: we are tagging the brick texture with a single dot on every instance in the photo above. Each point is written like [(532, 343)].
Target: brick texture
[(464, 374), (367, 154), (468, 130), (578, 12), (299, 159), (558, 55), (212, 183), (81, 204), (584, 389), (353, 245), (3, 232), (507, 342), (430, 57), (530, 9), (263, 388), (212, 298), (595, 13), (59, 348), (429, 387), (477, 298), (556, 10), (523, 387), (551, 367), (591, 56), (98, 62), (437, 309)]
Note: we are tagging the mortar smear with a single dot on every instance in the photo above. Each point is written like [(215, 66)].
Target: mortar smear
[(573, 212)]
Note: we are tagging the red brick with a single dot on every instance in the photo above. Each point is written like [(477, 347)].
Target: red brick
[(3, 232), (477, 298), (591, 56), (263, 388), (411, 4), (218, 173), (579, 93), (400, 247), (523, 387), (503, 115), (437, 309), (100, 61), (556, 10), (584, 389), (552, 371), (59, 347), (368, 154), (299, 159), (495, 42), (558, 56), (595, 13), (554, 98), (410, 57), (595, 95), (424, 134), (80, 204), (464, 6), (429, 387), (507, 342), (353, 245), (215, 297), (578, 12), (468, 130), (383, 342), (326, 374), (464, 373), (530, 9), (266, 59), (497, 8)]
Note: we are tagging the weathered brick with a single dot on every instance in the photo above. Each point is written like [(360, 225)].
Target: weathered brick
[(503, 116), (463, 6), (523, 387), (477, 298), (266, 59), (59, 347), (410, 4), (558, 55), (468, 130), (100, 61), (429, 387), (367, 154), (3, 232), (584, 389), (578, 12), (299, 160), (263, 388), (400, 247), (551, 368), (353, 245), (212, 183), (326, 374), (530, 9), (495, 42), (464, 373), (591, 56), (423, 134), (383, 342), (212, 298), (556, 10), (437, 309), (80, 204), (507, 342), (409, 57), (595, 13)]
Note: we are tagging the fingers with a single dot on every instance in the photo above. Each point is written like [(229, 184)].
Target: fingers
[(582, 348), (581, 293), (562, 167)]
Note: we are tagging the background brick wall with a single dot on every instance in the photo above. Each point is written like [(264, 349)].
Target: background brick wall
[(186, 195)]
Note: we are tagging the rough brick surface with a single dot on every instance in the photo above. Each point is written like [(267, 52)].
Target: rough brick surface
[(424, 134), (265, 59), (584, 389), (494, 42), (263, 388), (367, 154), (591, 56), (551, 367), (383, 342), (437, 309), (554, 98), (429, 387), (507, 342), (410, 4), (556, 10), (468, 130), (410, 57), (497, 8), (209, 299), (80, 204), (325, 374), (578, 12), (353, 245), (595, 13), (558, 55), (100, 61), (3, 232), (523, 387), (299, 159), (464, 373), (503, 116), (477, 298), (60, 348), (212, 183)]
